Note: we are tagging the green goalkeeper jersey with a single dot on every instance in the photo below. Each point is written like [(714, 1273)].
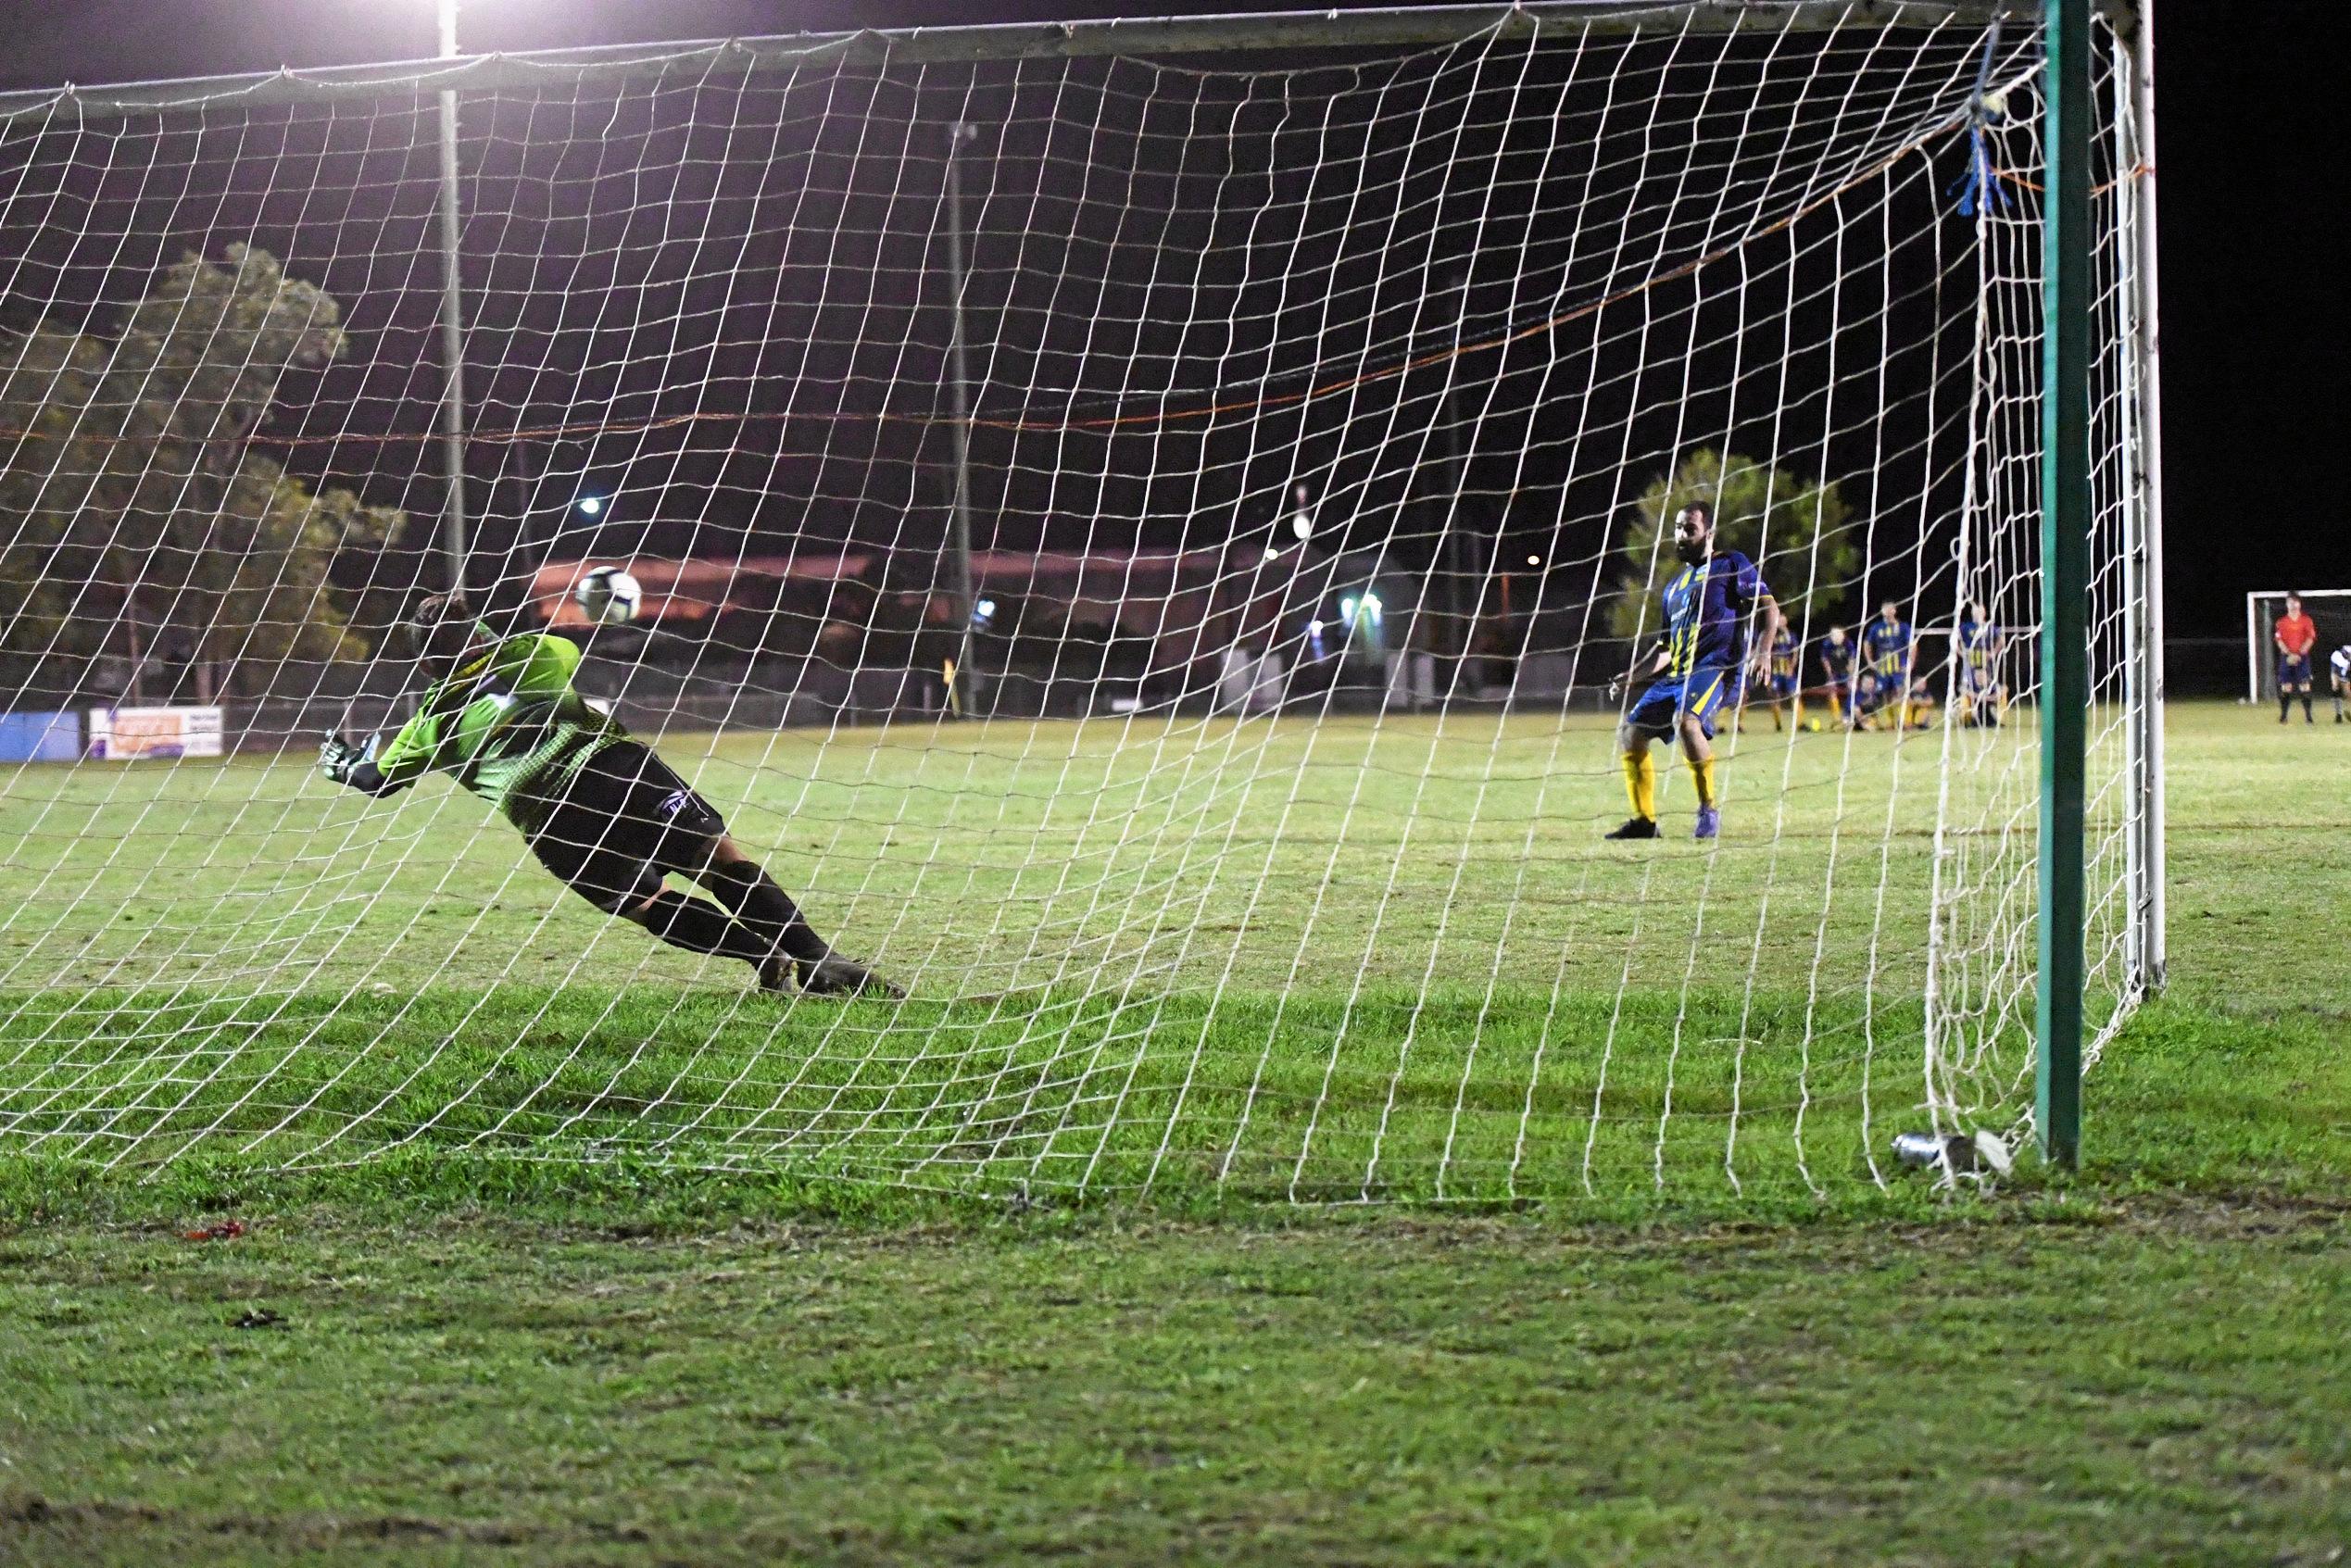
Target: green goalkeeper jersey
[(508, 726)]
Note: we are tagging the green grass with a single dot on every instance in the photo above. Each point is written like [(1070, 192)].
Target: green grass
[(703, 1332), (1356, 959)]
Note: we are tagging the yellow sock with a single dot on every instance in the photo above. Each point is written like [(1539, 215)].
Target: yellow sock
[(1640, 784), (1703, 773)]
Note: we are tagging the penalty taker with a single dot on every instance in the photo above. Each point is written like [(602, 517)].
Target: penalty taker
[(599, 810), (1700, 668)]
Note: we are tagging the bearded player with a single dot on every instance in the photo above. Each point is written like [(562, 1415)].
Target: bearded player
[(598, 808), (1697, 670)]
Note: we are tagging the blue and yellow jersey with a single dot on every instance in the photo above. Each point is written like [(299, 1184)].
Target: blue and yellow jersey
[(504, 724), (1836, 660), (1783, 656), (1886, 646), (1977, 642), (1706, 612)]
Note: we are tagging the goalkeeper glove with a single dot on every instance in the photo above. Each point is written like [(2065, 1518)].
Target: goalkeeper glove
[(337, 756), (353, 765)]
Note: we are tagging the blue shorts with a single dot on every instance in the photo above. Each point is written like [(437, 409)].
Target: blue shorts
[(1701, 695), (2294, 671), (1783, 685)]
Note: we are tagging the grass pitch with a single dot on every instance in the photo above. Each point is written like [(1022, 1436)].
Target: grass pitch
[(1353, 959), (449, 1354)]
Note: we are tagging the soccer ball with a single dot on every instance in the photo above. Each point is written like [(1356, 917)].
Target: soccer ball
[(1813, 724), (609, 596)]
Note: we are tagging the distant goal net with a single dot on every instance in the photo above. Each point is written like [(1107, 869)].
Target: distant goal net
[(1132, 527)]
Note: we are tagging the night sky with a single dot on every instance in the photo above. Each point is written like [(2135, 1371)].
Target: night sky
[(2252, 338)]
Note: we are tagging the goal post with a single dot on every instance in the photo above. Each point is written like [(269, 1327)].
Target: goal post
[(1133, 522)]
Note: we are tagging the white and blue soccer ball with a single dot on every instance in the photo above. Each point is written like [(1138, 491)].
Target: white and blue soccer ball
[(608, 595)]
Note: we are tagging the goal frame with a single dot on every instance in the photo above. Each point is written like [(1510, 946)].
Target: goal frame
[(2066, 390)]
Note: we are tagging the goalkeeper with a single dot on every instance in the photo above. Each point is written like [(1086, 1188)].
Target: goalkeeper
[(599, 808), (1700, 668)]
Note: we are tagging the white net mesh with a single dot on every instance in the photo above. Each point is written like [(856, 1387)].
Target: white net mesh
[(1235, 815)]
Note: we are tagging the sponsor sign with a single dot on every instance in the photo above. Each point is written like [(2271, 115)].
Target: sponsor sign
[(122, 732)]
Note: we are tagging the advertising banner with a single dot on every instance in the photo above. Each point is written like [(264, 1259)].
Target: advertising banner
[(155, 732)]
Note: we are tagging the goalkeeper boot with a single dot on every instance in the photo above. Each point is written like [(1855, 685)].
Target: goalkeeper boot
[(1635, 827), (1709, 822), (834, 975)]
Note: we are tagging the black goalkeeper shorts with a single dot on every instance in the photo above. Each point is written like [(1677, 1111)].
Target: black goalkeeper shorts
[(624, 819)]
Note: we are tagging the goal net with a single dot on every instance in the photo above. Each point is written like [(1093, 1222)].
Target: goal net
[(1135, 526)]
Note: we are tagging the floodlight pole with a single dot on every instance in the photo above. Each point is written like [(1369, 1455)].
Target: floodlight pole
[(452, 326), (966, 675), (2065, 573)]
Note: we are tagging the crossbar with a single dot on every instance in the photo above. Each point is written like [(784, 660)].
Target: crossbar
[(1013, 40)]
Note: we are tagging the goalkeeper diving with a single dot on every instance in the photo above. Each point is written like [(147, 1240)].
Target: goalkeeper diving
[(598, 808), (1698, 669)]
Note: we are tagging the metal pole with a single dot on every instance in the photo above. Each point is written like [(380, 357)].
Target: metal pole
[(2065, 571), (2132, 521), (2252, 651), (966, 676), (453, 542), (2154, 943), (1375, 28)]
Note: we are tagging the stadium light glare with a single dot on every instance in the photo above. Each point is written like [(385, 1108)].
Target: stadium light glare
[(592, 505), (984, 609), (1534, 560), (1347, 610)]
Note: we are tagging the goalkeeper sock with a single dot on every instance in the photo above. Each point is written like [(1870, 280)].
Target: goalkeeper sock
[(1640, 784), (1701, 772), (758, 903), (2306, 710), (700, 927), (2285, 707)]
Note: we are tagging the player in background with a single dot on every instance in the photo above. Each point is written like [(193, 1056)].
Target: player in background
[(2296, 636), (1983, 698), (1786, 657), (1885, 667), (598, 808), (1698, 669), (1836, 671), (2339, 668)]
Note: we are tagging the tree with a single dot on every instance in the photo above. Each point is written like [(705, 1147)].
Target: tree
[(1794, 529), (133, 510)]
